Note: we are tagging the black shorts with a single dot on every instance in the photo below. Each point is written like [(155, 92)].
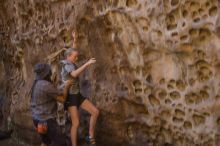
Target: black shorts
[(54, 134), (74, 100)]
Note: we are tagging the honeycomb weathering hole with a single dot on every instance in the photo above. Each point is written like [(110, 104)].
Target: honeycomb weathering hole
[(175, 95), (185, 13), (171, 27), (198, 119), (153, 100), (174, 2), (213, 11), (187, 125), (131, 3)]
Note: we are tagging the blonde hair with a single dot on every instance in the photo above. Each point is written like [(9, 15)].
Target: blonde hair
[(69, 51)]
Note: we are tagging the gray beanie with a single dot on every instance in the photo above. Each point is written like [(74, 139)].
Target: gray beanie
[(42, 70)]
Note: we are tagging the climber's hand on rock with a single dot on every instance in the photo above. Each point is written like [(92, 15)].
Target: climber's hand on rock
[(74, 35), (91, 61)]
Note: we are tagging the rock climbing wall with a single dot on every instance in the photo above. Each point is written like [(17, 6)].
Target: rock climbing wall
[(156, 80)]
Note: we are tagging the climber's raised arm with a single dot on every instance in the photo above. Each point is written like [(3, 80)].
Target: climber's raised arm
[(75, 39), (75, 73)]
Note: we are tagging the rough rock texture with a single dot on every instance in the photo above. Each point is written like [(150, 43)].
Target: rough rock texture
[(156, 80)]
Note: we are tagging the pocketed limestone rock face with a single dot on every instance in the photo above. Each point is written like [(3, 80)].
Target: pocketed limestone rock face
[(156, 80)]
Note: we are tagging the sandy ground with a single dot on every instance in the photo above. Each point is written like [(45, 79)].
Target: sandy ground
[(10, 142)]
